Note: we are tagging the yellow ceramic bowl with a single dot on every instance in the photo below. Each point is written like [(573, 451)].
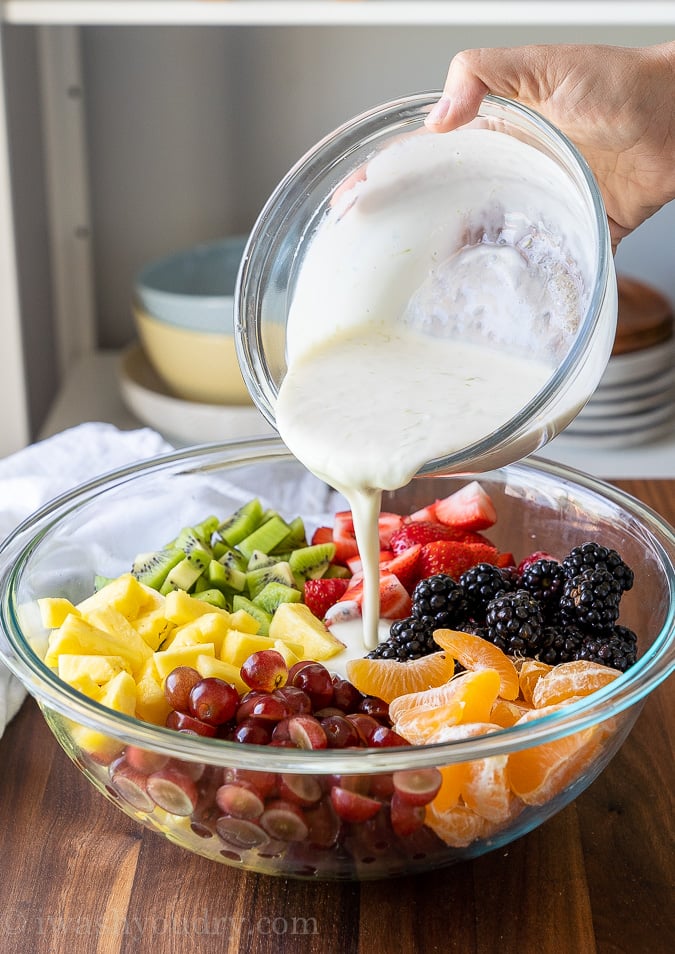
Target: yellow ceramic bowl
[(194, 365)]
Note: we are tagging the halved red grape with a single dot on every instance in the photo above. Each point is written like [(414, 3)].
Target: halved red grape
[(177, 686), (284, 820), (241, 833), (302, 790), (213, 701), (239, 800), (353, 807), (306, 732), (417, 786), (406, 818), (173, 790), (131, 785), (183, 722)]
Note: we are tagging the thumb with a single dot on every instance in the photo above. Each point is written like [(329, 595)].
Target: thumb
[(521, 73)]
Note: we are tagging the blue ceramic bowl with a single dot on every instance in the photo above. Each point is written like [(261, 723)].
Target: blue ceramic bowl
[(193, 289)]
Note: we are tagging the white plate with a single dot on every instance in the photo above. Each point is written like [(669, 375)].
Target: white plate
[(630, 425), (184, 421), (639, 364), (653, 384), (598, 407), (625, 439)]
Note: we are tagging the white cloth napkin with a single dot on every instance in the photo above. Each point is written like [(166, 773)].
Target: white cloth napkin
[(36, 474)]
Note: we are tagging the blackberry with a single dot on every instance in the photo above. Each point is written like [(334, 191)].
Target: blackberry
[(408, 639), (560, 643), (438, 602), (592, 556), (591, 599), (544, 579), (514, 622), (617, 647), (481, 584)]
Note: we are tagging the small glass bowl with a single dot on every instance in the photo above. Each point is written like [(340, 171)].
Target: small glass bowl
[(312, 190), (101, 526)]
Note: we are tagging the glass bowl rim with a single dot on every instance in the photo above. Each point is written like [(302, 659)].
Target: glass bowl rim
[(376, 121), (41, 682)]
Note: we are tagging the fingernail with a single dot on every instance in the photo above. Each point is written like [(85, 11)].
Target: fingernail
[(438, 112)]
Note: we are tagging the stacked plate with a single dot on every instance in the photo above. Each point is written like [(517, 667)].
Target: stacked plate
[(635, 400)]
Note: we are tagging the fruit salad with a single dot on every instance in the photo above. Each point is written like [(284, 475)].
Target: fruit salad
[(242, 629)]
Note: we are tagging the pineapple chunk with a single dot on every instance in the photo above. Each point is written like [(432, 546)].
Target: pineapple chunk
[(118, 694), (78, 635), (243, 621), (295, 623), (125, 594), (54, 609), (151, 704), (238, 646), (180, 608), (79, 669), (208, 666), (111, 621), (208, 628), (168, 659), (153, 627), (290, 656)]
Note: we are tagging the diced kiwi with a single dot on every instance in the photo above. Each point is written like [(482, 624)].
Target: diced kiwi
[(337, 571), (241, 523), (206, 528), (281, 572), (182, 576), (225, 577), (258, 560), (152, 568), (267, 536), (213, 597), (228, 556), (294, 538), (101, 581), (311, 562), (273, 594), (240, 602)]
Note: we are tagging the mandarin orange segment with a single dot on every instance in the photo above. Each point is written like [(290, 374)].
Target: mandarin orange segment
[(506, 712), (459, 826), (451, 786), (486, 789), (468, 697), (388, 678), (577, 678), (530, 672), (474, 652), (539, 773)]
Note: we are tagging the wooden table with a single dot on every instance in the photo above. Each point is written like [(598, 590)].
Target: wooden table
[(598, 878)]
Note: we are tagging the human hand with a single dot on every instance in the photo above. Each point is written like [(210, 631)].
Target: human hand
[(616, 104)]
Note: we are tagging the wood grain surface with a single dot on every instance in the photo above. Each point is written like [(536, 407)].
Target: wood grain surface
[(79, 877)]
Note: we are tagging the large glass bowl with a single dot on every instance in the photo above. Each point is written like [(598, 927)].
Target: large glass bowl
[(101, 526), (323, 188)]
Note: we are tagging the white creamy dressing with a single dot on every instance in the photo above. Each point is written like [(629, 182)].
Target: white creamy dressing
[(433, 304)]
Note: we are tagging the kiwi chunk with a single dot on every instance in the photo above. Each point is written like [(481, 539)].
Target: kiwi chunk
[(225, 577), (280, 572), (152, 568), (266, 537), (240, 524), (182, 576), (274, 594), (294, 538), (264, 619), (311, 562), (258, 560), (213, 597)]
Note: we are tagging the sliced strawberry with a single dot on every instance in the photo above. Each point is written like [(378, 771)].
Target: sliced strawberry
[(505, 560), (395, 601), (388, 524), (323, 593), (343, 537), (470, 508), (426, 531), (405, 566), (343, 549), (425, 515), (453, 557), (355, 564)]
